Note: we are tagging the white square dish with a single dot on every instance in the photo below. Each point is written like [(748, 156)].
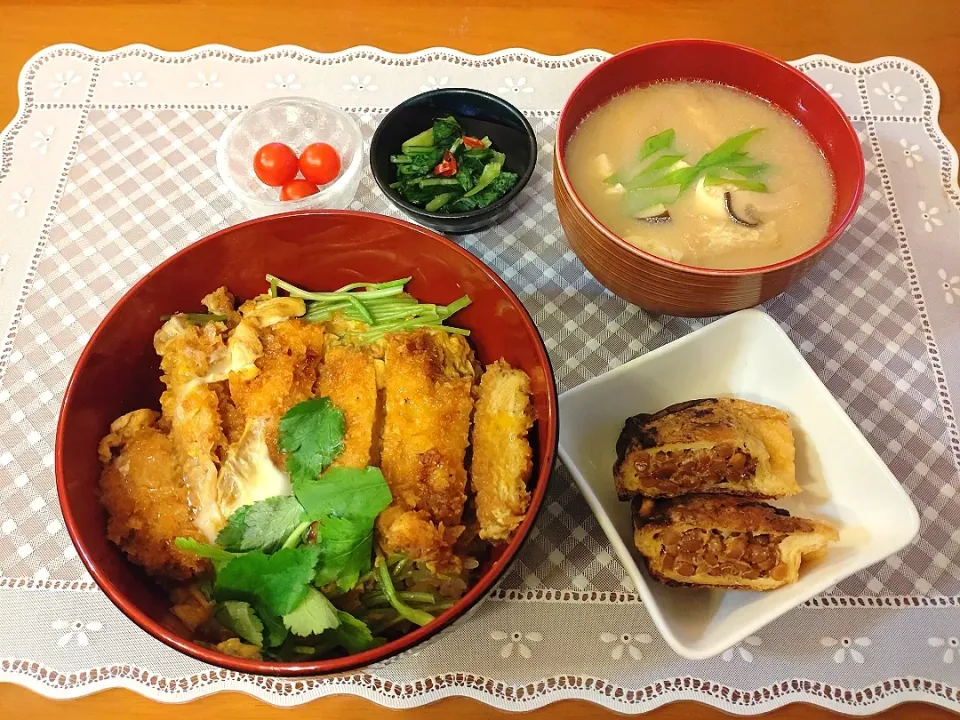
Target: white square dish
[(843, 479)]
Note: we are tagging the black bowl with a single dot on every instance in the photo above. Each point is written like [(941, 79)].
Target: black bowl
[(480, 114)]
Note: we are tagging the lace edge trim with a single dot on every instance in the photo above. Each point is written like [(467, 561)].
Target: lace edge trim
[(280, 691), (906, 257), (558, 596), (834, 601)]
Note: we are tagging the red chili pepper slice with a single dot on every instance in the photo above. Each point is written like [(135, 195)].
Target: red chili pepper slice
[(472, 142), (448, 166)]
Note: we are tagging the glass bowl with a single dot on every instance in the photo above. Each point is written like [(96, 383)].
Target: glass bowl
[(297, 122)]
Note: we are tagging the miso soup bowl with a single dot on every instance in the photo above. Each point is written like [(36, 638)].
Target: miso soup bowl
[(665, 286)]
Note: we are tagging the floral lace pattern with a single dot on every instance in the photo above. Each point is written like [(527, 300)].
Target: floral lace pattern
[(564, 616)]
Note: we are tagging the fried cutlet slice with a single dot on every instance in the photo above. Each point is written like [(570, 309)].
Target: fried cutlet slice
[(143, 492), (429, 376), (725, 541), (348, 378), (502, 456), (286, 372), (723, 445), (222, 302), (189, 355), (412, 533)]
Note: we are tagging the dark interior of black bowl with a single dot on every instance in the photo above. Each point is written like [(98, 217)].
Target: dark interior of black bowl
[(480, 114)]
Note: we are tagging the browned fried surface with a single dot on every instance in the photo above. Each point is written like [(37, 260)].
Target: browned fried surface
[(502, 456), (145, 497), (710, 419), (231, 416), (428, 402), (724, 445), (221, 302), (412, 533), (288, 369), (723, 512), (124, 429), (191, 411), (349, 379), (725, 542), (728, 584)]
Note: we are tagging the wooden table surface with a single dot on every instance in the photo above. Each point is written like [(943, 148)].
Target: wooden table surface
[(926, 32)]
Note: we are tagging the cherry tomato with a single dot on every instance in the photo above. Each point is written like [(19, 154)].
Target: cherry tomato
[(448, 166), (319, 163), (275, 164), (298, 189), (472, 142)]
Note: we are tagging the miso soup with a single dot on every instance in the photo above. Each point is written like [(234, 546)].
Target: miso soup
[(702, 174)]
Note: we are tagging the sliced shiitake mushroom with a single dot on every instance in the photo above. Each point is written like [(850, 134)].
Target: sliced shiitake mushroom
[(661, 218), (654, 214), (741, 216)]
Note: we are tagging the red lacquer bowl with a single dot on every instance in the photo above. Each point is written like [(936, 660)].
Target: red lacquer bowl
[(661, 285), (119, 371)]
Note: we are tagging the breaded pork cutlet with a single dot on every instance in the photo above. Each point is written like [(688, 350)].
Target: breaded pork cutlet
[(143, 491), (725, 541), (348, 377), (428, 401), (723, 445), (286, 373), (191, 407), (502, 456)]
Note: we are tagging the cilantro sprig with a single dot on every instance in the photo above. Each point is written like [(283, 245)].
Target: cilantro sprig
[(266, 525), (311, 433), (278, 582), (240, 617), (312, 616), (271, 573)]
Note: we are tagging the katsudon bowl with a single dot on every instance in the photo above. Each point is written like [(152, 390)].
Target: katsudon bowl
[(118, 371)]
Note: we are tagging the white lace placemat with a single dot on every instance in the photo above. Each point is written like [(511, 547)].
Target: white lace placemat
[(109, 168)]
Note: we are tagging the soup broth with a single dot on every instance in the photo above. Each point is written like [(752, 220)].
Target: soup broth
[(738, 202)]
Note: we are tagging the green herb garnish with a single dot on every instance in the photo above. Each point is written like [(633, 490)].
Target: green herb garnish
[(312, 616), (354, 634), (217, 555), (345, 503), (265, 525), (344, 492), (385, 307), (656, 143), (240, 617), (278, 582), (274, 629), (196, 318), (636, 201), (311, 433), (347, 545), (659, 176), (414, 615), (739, 183), (728, 151)]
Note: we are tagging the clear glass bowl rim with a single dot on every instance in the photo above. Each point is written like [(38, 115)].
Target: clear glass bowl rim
[(326, 192)]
